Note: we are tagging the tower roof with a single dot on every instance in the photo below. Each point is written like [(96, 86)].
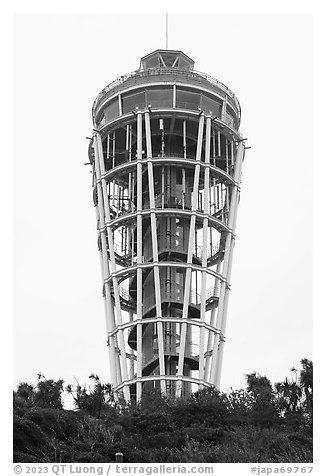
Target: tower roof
[(166, 59)]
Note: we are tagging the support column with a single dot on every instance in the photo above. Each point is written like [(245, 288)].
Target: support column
[(99, 159), (109, 313), (204, 256), (224, 109), (212, 323), (139, 257), (187, 285), (217, 356), (219, 143), (184, 139), (113, 150), (157, 285), (108, 151)]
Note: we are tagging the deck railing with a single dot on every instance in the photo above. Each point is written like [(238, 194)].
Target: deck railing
[(176, 73)]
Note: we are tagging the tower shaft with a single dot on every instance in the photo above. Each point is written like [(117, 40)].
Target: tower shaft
[(166, 156)]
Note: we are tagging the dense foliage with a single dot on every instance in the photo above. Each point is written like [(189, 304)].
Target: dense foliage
[(259, 424)]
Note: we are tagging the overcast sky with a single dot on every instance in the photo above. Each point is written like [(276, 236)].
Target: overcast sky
[(61, 63)]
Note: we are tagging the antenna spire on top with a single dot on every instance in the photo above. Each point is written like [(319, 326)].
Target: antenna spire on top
[(166, 30)]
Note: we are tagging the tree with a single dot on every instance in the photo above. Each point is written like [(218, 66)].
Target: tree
[(45, 394), (289, 395), (23, 398), (263, 411), (259, 385), (306, 382), (48, 392), (93, 401), (261, 423)]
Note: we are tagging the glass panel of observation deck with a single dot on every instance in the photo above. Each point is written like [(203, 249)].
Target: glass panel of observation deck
[(159, 97), (211, 105), (111, 111), (131, 101), (187, 99)]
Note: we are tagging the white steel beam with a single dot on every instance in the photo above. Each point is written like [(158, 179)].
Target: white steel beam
[(184, 131), (192, 230), (227, 155), (139, 256), (176, 320), (110, 320), (101, 169), (113, 150), (157, 284), (109, 313), (234, 207), (215, 373), (224, 109), (204, 255), (213, 325)]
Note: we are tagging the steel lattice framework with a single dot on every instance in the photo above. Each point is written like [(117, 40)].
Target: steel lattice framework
[(166, 155)]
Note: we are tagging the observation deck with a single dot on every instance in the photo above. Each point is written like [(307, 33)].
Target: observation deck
[(153, 72)]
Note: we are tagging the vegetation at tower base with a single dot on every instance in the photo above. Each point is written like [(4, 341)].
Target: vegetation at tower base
[(261, 423)]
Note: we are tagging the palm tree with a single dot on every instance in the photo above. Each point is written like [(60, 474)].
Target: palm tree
[(259, 385), (25, 394), (94, 401), (48, 392), (306, 382), (289, 395)]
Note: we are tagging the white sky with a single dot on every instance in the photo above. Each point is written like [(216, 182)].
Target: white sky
[(61, 63)]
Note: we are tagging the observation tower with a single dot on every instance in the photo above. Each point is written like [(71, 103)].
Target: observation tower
[(166, 155)]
